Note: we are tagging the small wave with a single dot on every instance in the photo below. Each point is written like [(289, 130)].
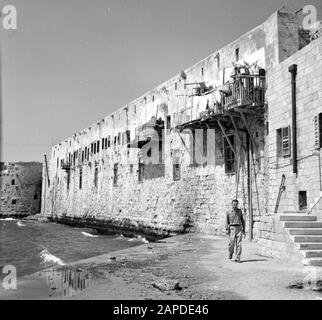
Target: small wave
[(47, 257), (20, 224), (139, 238), (89, 235), (7, 219)]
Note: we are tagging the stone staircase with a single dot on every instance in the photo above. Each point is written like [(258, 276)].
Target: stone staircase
[(306, 233)]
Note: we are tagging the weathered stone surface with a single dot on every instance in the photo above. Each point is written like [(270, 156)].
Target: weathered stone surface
[(107, 189), (20, 185)]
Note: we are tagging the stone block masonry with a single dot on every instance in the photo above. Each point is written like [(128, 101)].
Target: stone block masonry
[(20, 185), (172, 160)]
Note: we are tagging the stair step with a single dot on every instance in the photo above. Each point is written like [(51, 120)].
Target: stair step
[(293, 212), (310, 246), (297, 217), (302, 224), (312, 253), (305, 231), (303, 238), (316, 262)]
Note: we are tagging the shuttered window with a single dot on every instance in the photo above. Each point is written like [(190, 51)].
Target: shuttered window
[(284, 142), (115, 174), (318, 131), (219, 149)]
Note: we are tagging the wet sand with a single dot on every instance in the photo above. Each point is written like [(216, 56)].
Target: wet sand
[(189, 266)]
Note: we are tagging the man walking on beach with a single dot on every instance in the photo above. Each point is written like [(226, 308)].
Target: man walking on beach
[(235, 228)]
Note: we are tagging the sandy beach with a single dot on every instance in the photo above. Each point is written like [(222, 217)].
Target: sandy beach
[(189, 266)]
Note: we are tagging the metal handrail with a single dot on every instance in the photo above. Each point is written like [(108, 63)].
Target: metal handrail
[(314, 205)]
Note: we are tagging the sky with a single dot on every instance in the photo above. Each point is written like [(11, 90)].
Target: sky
[(72, 62)]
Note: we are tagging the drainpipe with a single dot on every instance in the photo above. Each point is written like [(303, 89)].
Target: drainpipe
[(293, 70), (249, 188)]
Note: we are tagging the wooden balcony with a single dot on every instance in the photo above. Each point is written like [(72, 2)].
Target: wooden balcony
[(244, 90), (149, 131), (65, 166)]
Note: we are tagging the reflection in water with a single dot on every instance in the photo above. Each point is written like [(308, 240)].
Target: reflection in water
[(66, 281)]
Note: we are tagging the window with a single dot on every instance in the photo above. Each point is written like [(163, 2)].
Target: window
[(149, 153), (176, 172), (175, 86), (115, 174), (96, 177), (14, 201), (131, 168), (176, 165), (68, 179), (267, 128), (87, 153), (168, 122), (128, 136), (283, 142), (80, 178), (302, 200), (98, 147), (141, 172), (229, 155), (318, 131), (13, 182), (109, 142), (103, 143), (218, 60), (119, 138), (237, 54), (202, 72), (94, 147), (83, 156)]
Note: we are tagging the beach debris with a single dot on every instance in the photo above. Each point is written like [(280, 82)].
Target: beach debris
[(167, 285), (113, 258), (314, 285)]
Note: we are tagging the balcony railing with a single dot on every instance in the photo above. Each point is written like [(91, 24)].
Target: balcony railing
[(147, 132), (245, 90), (66, 166), (148, 129)]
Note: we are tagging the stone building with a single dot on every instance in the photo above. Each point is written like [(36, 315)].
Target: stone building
[(20, 185), (172, 160)]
